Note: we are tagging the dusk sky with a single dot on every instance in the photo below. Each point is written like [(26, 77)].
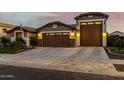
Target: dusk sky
[(114, 23)]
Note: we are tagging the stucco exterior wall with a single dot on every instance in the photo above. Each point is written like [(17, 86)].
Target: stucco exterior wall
[(2, 33)]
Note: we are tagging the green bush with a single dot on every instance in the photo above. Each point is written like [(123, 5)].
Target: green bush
[(33, 41), (5, 41), (119, 44), (20, 42)]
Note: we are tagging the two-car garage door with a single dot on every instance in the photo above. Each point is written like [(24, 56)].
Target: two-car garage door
[(91, 34), (56, 39)]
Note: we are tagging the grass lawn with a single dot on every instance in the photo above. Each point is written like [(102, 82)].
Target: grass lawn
[(114, 53), (115, 50), (8, 50), (118, 51)]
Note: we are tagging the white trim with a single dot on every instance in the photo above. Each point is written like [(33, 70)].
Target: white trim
[(27, 39), (54, 31), (17, 32), (104, 39), (103, 20)]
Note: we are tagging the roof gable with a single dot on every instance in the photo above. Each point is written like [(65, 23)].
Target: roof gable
[(117, 33), (91, 15), (23, 28), (60, 27)]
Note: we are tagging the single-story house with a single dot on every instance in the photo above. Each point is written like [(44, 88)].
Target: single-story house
[(23, 32), (89, 30), (112, 37)]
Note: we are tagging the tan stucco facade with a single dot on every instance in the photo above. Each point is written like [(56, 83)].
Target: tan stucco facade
[(3, 28), (2, 33)]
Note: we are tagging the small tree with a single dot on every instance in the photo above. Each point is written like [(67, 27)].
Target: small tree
[(119, 44), (33, 41)]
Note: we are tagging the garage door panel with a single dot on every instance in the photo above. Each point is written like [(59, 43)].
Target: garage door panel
[(91, 35), (55, 40)]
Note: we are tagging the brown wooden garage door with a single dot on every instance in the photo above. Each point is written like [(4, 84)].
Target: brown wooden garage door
[(56, 39), (91, 34)]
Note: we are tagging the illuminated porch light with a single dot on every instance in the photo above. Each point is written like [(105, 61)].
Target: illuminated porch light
[(39, 35), (104, 34), (72, 35)]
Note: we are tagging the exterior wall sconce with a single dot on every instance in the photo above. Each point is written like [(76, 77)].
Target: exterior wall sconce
[(39, 35), (78, 35), (72, 35), (104, 34)]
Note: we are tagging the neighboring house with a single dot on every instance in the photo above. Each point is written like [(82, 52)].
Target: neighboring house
[(4, 27), (90, 30), (113, 37), (117, 33), (23, 32)]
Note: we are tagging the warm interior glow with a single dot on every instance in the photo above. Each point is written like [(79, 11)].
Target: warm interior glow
[(39, 35), (104, 33)]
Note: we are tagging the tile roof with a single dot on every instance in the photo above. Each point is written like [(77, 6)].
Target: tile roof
[(6, 25)]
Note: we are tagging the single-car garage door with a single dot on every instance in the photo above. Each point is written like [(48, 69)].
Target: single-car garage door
[(55, 39), (91, 34)]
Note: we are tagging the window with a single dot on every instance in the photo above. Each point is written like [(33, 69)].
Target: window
[(65, 33), (58, 33), (90, 16), (54, 25), (84, 23), (18, 34), (98, 23), (4, 29), (47, 34), (51, 33), (90, 23)]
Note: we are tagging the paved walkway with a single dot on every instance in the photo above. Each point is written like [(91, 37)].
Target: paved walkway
[(87, 60)]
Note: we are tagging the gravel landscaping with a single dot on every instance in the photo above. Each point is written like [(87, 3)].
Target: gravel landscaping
[(119, 67)]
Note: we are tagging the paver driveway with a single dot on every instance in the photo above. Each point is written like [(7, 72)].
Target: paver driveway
[(82, 59)]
